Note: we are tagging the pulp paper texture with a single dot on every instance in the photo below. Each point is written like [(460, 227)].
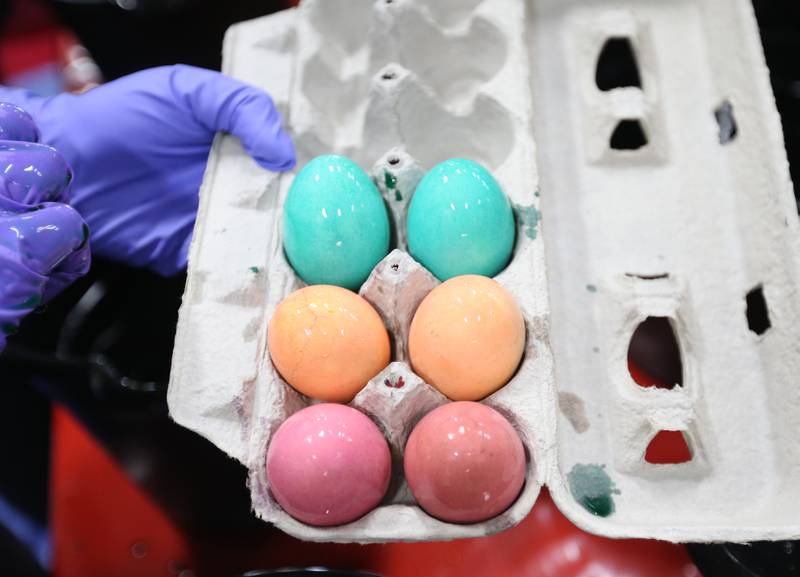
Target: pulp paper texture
[(681, 227)]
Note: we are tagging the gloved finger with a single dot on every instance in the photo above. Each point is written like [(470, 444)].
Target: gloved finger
[(16, 124), (223, 104), (21, 291), (71, 269), (40, 252), (26, 99), (51, 241), (31, 174), (45, 237), (66, 231)]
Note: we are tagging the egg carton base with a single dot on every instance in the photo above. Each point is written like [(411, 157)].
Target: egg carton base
[(593, 420)]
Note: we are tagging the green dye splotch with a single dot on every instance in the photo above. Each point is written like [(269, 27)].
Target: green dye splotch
[(536, 194), (8, 328), (390, 180), (591, 288), (591, 486), (528, 218), (254, 269), (31, 302)]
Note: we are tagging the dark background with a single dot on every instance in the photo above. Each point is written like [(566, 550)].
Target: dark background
[(133, 323)]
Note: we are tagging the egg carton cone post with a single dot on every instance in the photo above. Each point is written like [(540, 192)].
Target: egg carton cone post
[(665, 195)]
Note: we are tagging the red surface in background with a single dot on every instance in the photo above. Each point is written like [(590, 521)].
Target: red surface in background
[(645, 379), (101, 522), (668, 447), (31, 38)]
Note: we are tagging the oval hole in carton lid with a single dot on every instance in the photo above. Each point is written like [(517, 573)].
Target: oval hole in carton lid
[(654, 357)]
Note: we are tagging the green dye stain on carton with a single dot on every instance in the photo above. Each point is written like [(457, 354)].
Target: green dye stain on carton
[(591, 288), (591, 486), (528, 218), (254, 269), (389, 179), (8, 328)]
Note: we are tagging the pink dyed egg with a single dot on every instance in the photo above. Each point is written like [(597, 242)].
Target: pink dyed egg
[(328, 464), (464, 463)]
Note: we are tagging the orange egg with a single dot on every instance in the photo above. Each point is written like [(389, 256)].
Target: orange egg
[(467, 337), (327, 342)]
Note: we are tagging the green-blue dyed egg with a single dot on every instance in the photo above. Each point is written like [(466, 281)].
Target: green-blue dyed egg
[(335, 225), (460, 221)]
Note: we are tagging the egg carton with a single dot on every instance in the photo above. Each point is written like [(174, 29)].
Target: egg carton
[(698, 226), (660, 231)]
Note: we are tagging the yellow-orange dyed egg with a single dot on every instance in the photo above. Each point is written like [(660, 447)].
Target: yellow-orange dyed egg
[(327, 342), (467, 337)]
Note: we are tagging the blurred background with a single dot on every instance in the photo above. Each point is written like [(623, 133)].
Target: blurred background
[(95, 480)]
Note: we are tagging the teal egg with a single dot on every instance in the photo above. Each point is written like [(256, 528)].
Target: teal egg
[(335, 225), (460, 221)]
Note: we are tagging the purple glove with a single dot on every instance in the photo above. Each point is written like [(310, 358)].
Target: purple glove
[(43, 243), (139, 147)]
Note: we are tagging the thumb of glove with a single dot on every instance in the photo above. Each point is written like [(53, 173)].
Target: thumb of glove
[(223, 104), (40, 252), (16, 124)]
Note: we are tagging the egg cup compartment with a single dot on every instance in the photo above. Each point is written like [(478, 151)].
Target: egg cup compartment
[(448, 13), (466, 59), (344, 94), (404, 110)]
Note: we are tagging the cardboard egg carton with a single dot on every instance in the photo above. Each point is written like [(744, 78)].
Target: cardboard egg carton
[(682, 227)]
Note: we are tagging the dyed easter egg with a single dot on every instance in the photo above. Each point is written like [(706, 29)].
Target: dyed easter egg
[(464, 463), (327, 342), (467, 337), (328, 464), (460, 221), (335, 225)]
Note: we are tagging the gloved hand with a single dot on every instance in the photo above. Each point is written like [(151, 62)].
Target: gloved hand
[(43, 243), (139, 147)]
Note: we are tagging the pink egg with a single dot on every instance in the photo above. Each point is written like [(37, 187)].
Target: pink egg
[(464, 463), (328, 464)]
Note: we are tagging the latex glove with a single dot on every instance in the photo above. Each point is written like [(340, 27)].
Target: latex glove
[(139, 147), (43, 243)]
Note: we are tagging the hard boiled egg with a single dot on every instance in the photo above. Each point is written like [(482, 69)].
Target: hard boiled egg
[(464, 463), (467, 337), (335, 225), (328, 464), (327, 342), (460, 221)]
